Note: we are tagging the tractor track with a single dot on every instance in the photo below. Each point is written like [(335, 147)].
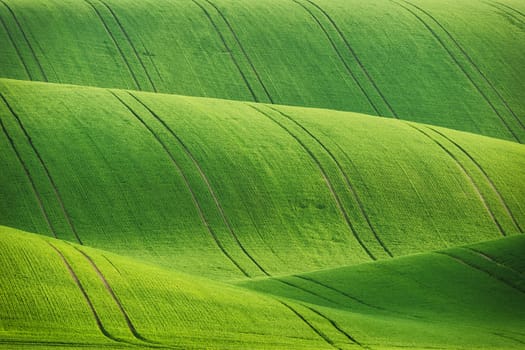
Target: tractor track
[(44, 166), (187, 184), (115, 43), (26, 39), (326, 179), (207, 182)]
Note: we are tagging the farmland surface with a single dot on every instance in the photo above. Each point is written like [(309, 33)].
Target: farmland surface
[(219, 174)]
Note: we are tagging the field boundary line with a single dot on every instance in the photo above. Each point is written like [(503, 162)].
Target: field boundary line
[(489, 180), (465, 73), (113, 39), (18, 53), (185, 180), (29, 177), (326, 179), (472, 63), (477, 268), (73, 274), (309, 324), (26, 39), (44, 166), (467, 175), (128, 38), (206, 181), (354, 55), (225, 44), (334, 324), (117, 301), (242, 49), (341, 59), (345, 176)]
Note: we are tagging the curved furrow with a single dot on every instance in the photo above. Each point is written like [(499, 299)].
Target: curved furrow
[(187, 184), (460, 67), (73, 274), (329, 184), (117, 301), (257, 75), (128, 38), (494, 261), (489, 180), (354, 55), (26, 39), (30, 178), (341, 59), (470, 60), (488, 273), (208, 185), (223, 40), (17, 50), (309, 324), (345, 176), (335, 325), (46, 169), (467, 175), (115, 43)]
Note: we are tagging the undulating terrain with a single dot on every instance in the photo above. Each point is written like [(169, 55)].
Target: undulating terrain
[(271, 174)]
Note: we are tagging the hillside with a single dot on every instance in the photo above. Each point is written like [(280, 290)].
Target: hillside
[(255, 189), (285, 175), (442, 62), (108, 301)]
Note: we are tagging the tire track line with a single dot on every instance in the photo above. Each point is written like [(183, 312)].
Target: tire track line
[(18, 53), (208, 185), (489, 180), (30, 178), (326, 179), (311, 280), (117, 301), (494, 261), (473, 64), (354, 55), (113, 39), (214, 25), (290, 284), (186, 183), (48, 174), (128, 38), (25, 38), (466, 174), (85, 295), (242, 49), (360, 301), (334, 46), (334, 324), (465, 73), (345, 176), (309, 324), (512, 9), (477, 268)]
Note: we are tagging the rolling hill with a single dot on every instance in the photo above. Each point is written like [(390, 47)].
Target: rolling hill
[(67, 295), (170, 179), (302, 174), (428, 61)]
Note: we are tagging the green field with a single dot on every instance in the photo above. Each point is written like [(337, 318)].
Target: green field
[(218, 174)]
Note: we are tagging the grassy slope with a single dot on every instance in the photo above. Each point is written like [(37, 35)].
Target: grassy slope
[(434, 298), (429, 64), (440, 309), (273, 191)]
